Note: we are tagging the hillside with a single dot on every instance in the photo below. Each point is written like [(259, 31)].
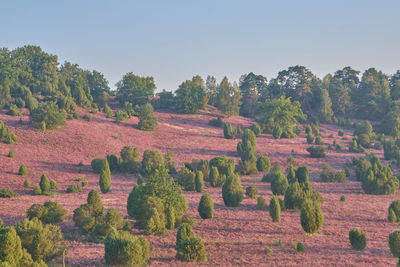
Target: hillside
[(235, 236)]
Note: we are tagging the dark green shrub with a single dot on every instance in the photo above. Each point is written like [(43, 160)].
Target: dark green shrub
[(277, 132), (49, 212), (275, 209), (76, 188), (290, 174), (232, 191), (50, 114), (147, 120), (394, 211), (291, 160), (120, 115), (187, 178), (123, 248), (206, 207), (19, 102), (105, 178), (113, 162), (185, 232), (364, 140), (300, 247), (152, 158), (302, 174), (44, 185), (297, 194), (170, 218), (13, 110), (261, 205), (94, 203), (310, 138), (216, 122), (225, 165), (340, 133), (11, 154), (228, 132), (75, 115), (251, 191), (267, 250), (246, 150), (279, 183), (87, 117), (216, 179), (316, 151), (275, 171), (347, 171), (27, 183), (263, 164), (255, 127), (238, 131), (343, 198), (37, 191), (357, 239), (7, 193), (155, 224), (187, 218), (22, 170), (394, 243), (192, 250), (318, 140), (311, 217), (108, 111), (97, 165), (199, 181)]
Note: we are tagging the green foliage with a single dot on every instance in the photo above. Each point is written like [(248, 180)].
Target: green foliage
[(300, 247), (228, 132), (302, 174), (199, 181), (192, 250), (155, 225), (316, 151), (170, 218), (328, 175), (340, 133), (297, 194), (357, 239), (185, 232), (275, 171), (310, 138), (44, 185), (135, 89), (311, 217), (189, 97), (49, 113), (290, 174), (53, 185), (87, 117), (97, 165), (40, 241), (319, 140), (232, 191), (279, 183), (228, 97), (216, 122), (394, 243), (120, 115), (261, 205), (206, 207), (49, 212), (394, 211), (37, 191), (13, 110), (94, 203), (7, 193), (246, 150), (147, 120), (225, 165), (152, 158), (343, 198), (281, 113), (263, 164), (267, 250), (108, 111), (11, 154), (123, 248), (251, 192), (10, 247), (255, 127), (186, 178), (22, 170), (27, 183), (105, 178), (275, 209), (375, 178), (76, 188), (216, 179)]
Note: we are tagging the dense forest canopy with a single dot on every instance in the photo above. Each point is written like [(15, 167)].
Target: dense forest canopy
[(29, 75)]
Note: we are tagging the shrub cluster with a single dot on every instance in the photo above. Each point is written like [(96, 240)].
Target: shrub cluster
[(189, 248), (297, 194), (263, 164), (187, 179), (5, 135), (216, 122), (7, 193), (45, 186), (232, 191), (49, 212), (220, 168), (48, 114), (317, 151), (329, 175), (251, 192), (375, 178), (228, 132), (246, 150), (147, 120)]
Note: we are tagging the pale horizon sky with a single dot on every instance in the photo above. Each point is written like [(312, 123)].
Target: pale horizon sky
[(175, 40)]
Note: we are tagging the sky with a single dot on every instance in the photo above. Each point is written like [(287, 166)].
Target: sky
[(175, 40)]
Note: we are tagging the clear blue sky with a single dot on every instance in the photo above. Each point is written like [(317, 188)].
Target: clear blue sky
[(174, 40)]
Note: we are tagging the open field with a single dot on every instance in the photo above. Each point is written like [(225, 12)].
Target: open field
[(235, 236)]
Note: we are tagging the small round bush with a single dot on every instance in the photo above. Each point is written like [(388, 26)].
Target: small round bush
[(340, 133), (291, 174), (316, 151), (232, 191), (22, 170), (53, 185), (319, 140), (394, 211), (267, 250), (279, 184), (263, 164), (275, 209), (302, 174), (261, 203), (192, 250), (251, 191), (27, 183), (37, 191), (310, 138), (199, 181), (185, 232), (357, 238), (394, 243), (94, 202), (300, 247), (11, 154), (154, 224), (343, 198), (76, 188), (206, 207), (311, 217)]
